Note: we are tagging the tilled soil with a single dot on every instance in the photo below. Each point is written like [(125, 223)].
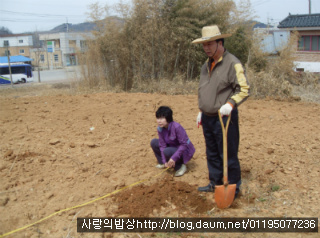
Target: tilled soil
[(63, 150)]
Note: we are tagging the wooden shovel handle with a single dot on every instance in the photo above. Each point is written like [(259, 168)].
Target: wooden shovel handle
[(225, 148)]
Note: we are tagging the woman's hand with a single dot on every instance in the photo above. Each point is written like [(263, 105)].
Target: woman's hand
[(170, 163)]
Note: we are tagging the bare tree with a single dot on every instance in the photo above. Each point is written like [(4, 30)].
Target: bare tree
[(5, 31), (152, 40), (38, 50)]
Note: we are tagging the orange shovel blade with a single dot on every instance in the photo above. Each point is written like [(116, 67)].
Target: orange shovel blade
[(224, 195)]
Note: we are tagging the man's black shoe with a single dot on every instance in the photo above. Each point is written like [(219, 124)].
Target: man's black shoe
[(208, 188), (237, 194)]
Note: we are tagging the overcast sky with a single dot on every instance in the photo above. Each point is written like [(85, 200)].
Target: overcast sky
[(274, 11), (39, 15)]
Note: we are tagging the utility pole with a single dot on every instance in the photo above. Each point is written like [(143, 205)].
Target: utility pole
[(67, 25), (6, 43), (309, 7)]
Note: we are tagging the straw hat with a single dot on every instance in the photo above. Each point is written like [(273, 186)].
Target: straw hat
[(210, 33)]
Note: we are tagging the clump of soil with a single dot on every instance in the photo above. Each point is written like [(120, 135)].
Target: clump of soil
[(143, 200)]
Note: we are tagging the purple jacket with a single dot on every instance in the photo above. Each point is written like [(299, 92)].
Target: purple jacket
[(175, 136)]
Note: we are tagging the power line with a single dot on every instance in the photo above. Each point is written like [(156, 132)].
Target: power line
[(38, 15), (27, 17), (258, 3), (36, 20)]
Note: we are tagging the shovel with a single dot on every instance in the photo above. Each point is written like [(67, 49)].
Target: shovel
[(224, 194)]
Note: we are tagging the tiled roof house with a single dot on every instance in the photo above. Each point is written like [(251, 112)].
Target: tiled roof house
[(308, 45)]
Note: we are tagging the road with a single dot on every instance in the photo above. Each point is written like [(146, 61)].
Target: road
[(48, 76), (67, 74)]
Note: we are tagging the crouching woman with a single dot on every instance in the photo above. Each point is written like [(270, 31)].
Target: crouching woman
[(173, 149)]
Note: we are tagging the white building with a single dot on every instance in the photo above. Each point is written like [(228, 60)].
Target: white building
[(273, 39), (60, 49), (18, 44)]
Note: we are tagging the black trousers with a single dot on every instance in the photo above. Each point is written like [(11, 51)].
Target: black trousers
[(214, 148), (168, 152)]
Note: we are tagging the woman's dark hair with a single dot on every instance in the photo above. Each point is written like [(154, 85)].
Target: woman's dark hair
[(165, 112)]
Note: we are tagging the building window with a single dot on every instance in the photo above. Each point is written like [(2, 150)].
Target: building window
[(309, 43), (21, 51), (42, 58), (72, 43), (20, 41), (56, 58), (83, 45), (5, 43)]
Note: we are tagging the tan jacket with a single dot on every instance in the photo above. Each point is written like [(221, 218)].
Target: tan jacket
[(225, 83)]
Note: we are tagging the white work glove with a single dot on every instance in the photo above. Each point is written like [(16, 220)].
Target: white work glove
[(226, 109), (199, 119)]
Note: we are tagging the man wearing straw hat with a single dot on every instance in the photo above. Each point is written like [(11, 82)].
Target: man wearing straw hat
[(223, 86)]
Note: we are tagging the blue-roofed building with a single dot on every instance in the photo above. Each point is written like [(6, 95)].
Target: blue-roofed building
[(308, 45), (56, 50), (16, 59)]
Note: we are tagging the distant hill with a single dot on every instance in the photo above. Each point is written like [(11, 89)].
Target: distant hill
[(68, 27), (83, 27), (260, 25)]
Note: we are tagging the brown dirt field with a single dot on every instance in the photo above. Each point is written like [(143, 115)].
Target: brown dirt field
[(59, 151)]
